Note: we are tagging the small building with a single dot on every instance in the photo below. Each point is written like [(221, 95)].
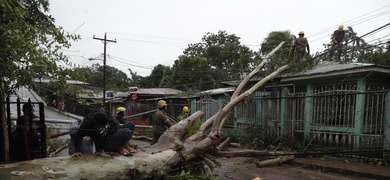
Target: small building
[(331, 106), (338, 105), (137, 102)]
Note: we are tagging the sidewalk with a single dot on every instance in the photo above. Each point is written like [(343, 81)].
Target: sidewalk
[(74, 116), (339, 165)]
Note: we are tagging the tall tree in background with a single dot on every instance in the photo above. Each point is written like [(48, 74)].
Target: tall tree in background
[(151, 81), (380, 54), (156, 75), (30, 42), (284, 55), (225, 53), (136, 80), (115, 78), (190, 73)]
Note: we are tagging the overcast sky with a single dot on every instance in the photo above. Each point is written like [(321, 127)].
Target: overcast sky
[(152, 32)]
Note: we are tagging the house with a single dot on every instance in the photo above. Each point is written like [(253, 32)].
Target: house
[(137, 101), (331, 106), (339, 105), (146, 101)]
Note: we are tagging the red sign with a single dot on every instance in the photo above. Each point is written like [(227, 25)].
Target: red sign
[(134, 95), (133, 89), (133, 92)]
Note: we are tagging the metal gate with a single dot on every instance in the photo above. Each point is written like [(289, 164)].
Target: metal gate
[(208, 106), (38, 149)]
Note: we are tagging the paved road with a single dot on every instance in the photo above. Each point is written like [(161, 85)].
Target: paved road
[(56, 120)]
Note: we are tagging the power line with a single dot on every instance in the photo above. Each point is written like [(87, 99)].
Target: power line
[(105, 41), (375, 30), (156, 37), (141, 65), (345, 22), (156, 42)]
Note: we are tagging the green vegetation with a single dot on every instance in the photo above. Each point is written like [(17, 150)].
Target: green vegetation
[(192, 127), (54, 143), (187, 175), (31, 44)]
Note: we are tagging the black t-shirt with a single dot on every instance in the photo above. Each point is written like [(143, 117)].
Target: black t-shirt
[(98, 135), (339, 35)]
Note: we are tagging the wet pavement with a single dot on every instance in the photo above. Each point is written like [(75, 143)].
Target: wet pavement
[(345, 167), (235, 168)]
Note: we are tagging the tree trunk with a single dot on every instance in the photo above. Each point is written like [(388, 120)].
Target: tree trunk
[(244, 153), (171, 150), (4, 129), (275, 161), (224, 144)]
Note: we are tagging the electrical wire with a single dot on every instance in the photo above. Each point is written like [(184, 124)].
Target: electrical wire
[(362, 36)]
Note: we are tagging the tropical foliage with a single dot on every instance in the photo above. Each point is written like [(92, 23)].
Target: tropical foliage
[(284, 55), (224, 53), (30, 44), (204, 65), (115, 79)]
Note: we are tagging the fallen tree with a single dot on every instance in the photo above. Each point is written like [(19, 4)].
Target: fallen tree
[(175, 147)]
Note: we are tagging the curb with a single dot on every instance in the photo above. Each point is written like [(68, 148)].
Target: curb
[(348, 169), (65, 113)]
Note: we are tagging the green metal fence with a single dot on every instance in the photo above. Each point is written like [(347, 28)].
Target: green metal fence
[(352, 116)]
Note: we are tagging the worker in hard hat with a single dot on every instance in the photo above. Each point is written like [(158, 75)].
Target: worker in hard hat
[(120, 113), (160, 121), (300, 46), (185, 113), (338, 37)]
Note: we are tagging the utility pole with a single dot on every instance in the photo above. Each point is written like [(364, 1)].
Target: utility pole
[(105, 41)]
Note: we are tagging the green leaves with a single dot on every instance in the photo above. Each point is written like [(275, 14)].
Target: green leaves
[(192, 127), (283, 56), (115, 79), (203, 65), (30, 43), (13, 7)]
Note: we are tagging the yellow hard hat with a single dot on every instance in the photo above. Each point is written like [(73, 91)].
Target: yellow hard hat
[(161, 104), (301, 33), (185, 109), (341, 27), (120, 109)]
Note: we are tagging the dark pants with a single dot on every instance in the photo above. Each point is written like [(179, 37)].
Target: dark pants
[(299, 55), (156, 136), (120, 138), (334, 48)]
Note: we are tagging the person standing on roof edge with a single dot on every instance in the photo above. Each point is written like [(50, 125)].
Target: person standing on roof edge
[(160, 121), (120, 111), (338, 37), (300, 46)]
